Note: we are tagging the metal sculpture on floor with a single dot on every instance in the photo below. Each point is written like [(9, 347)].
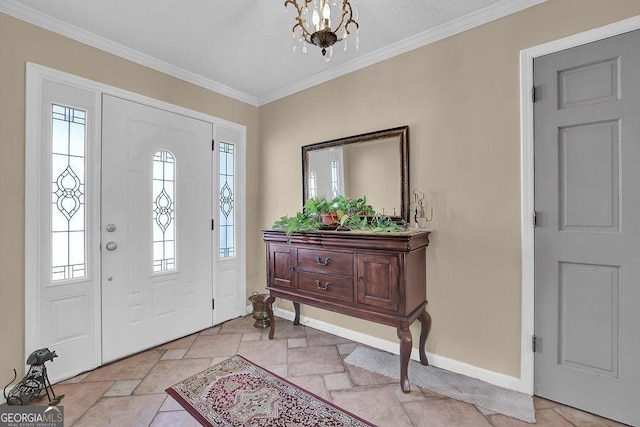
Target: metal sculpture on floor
[(34, 382)]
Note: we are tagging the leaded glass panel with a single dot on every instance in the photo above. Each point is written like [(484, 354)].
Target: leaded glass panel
[(226, 199), (163, 212), (68, 217)]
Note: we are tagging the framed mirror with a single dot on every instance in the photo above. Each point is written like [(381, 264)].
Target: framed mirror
[(374, 164)]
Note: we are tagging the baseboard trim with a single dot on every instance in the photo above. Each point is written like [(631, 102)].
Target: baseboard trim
[(495, 378)]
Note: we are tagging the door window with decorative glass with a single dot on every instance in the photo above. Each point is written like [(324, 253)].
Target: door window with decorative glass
[(163, 212), (68, 217), (226, 194)]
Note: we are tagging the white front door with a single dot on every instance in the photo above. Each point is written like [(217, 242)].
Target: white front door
[(156, 226), (121, 199), (587, 237)]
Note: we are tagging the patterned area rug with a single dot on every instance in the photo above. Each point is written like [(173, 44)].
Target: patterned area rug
[(236, 392)]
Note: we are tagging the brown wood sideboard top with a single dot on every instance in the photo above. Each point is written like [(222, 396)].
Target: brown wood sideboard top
[(380, 277)]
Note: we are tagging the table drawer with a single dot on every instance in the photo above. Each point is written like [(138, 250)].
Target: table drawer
[(322, 261), (334, 287)]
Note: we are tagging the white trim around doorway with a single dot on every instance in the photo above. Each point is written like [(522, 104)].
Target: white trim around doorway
[(527, 177), (35, 75)]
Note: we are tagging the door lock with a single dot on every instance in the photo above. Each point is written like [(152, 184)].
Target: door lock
[(111, 228)]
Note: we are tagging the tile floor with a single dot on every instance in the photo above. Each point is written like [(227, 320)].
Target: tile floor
[(130, 392)]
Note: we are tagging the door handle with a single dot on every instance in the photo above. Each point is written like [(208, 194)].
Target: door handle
[(112, 246)]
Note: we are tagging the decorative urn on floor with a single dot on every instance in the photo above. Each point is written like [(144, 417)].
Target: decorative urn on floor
[(259, 310)]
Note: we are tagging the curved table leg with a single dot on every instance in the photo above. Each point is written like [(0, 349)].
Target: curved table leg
[(269, 301), (425, 320), (404, 334), (296, 307)]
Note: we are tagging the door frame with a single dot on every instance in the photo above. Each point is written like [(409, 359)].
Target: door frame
[(527, 178), (35, 75)]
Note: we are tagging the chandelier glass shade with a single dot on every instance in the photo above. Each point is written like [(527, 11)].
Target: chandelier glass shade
[(318, 30)]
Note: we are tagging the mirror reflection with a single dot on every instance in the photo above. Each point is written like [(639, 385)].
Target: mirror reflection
[(374, 165)]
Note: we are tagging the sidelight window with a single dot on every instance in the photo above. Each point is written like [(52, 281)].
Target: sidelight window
[(68, 216), (226, 200)]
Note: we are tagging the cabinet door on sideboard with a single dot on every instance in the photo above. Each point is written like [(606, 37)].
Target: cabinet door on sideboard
[(378, 284), (282, 266)]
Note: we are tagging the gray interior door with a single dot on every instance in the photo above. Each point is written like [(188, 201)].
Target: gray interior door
[(587, 238)]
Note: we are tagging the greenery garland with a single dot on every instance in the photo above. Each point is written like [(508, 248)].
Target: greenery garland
[(346, 214)]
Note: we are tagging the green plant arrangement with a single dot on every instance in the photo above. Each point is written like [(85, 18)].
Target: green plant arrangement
[(340, 213)]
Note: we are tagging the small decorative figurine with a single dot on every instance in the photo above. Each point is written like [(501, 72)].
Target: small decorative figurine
[(420, 217), (35, 380)]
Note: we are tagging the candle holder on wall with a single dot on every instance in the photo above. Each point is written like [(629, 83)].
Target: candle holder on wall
[(419, 213)]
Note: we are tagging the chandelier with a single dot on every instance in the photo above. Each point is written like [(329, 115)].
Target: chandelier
[(318, 31)]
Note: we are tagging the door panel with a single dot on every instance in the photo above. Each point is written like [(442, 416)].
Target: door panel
[(588, 314), (589, 184), (590, 83), (157, 260), (69, 270), (230, 298), (587, 242)]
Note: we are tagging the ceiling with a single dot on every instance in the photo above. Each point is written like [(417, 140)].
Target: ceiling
[(243, 48)]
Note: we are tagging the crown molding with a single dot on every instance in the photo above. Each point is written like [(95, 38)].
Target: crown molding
[(459, 25), (464, 23), (24, 13)]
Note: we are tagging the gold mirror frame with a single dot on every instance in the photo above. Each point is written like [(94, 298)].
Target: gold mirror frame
[(402, 135)]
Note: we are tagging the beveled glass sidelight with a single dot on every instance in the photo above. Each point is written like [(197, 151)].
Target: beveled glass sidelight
[(68, 216), (226, 199)]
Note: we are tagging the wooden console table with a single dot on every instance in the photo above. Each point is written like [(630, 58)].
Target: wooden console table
[(379, 277)]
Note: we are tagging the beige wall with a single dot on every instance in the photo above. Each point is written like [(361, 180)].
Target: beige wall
[(460, 97), (21, 42)]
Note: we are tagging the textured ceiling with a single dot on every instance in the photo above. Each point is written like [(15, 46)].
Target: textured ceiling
[(243, 48)]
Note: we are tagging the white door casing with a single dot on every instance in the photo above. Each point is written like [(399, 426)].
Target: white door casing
[(35, 235)]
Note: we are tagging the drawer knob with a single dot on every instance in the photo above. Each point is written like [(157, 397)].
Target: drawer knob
[(322, 288), (325, 262), (291, 268), (360, 278)]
